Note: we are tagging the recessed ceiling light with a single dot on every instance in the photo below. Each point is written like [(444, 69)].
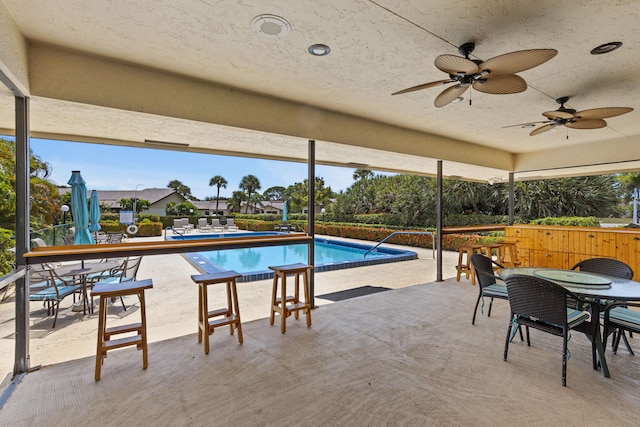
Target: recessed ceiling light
[(606, 48), (319, 49), (271, 27)]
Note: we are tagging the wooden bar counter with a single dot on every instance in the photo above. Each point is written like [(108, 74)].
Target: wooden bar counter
[(82, 252)]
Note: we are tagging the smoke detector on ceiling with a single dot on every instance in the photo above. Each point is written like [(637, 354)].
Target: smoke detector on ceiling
[(271, 27)]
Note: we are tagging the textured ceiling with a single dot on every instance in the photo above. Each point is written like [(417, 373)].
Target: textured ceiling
[(194, 72)]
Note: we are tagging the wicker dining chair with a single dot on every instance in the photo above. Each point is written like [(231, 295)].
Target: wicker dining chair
[(487, 282), (540, 304), (607, 266), (614, 268), (620, 318)]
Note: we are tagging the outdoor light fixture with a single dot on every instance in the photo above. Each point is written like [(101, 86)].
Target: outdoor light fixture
[(64, 209), (606, 48), (319, 49)]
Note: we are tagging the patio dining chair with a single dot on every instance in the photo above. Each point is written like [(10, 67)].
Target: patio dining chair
[(614, 268), (607, 266), (488, 285), (51, 289), (619, 317), (540, 304), (126, 272)]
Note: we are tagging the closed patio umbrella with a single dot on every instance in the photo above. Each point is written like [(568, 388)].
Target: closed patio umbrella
[(79, 209), (94, 214), (284, 212)]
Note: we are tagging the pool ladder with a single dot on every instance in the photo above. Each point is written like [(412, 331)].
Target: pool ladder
[(179, 233), (428, 233)]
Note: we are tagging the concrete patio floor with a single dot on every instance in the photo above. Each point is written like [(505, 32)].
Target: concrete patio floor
[(405, 356)]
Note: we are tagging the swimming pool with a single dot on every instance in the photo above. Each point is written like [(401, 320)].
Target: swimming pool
[(253, 263)]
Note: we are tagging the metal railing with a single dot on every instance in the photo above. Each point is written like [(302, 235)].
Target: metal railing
[(11, 277), (178, 232), (428, 233)]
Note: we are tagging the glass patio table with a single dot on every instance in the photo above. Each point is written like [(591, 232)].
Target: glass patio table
[(82, 271), (593, 288)]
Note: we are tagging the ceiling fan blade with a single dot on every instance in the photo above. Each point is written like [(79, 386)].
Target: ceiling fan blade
[(423, 86), (528, 124), (586, 124), (544, 128), (514, 62), (558, 114), (603, 113), (452, 64), (501, 85), (449, 94)]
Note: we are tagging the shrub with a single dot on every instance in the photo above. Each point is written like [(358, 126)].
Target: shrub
[(569, 221), (7, 258)]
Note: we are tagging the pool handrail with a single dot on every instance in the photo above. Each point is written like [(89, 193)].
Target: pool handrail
[(174, 232), (428, 233)]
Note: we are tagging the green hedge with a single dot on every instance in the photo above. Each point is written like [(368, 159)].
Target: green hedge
[(146, 228), (569, 221), (372, 233)]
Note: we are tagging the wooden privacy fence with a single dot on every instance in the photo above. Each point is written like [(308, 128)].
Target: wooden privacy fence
[(562, 247)]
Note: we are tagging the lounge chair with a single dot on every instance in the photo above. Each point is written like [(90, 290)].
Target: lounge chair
[(187, 225), (203, 226), (216, 226), (230, 225)]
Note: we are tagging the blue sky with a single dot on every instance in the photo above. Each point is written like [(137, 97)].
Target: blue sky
[(109, 167)]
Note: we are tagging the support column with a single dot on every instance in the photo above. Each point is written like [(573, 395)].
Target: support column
[(312, 218), (511, 199), (23, 196), (439, 222)]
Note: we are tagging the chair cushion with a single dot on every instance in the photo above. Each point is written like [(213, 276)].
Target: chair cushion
[(49, 294), (108, 280), (495, 291), (625, 318), (575, 317)]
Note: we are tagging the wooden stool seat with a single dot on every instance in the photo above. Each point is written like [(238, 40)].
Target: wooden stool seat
[(106, 292), (287, 304), (229, 315)]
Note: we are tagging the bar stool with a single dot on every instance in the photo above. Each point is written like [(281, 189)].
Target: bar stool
[(229, 315), (464, 261), (286, 304), (106, 292), (509, 254)]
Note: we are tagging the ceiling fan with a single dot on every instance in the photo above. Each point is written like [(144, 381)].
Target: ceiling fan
[(586, 119), (495, 75)]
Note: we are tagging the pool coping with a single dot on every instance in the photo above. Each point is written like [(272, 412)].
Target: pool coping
[(205, 266)]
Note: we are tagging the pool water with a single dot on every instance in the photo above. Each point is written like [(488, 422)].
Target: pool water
[(253, 263)]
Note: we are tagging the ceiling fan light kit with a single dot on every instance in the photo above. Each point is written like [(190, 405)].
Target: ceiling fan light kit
[(494, 76)]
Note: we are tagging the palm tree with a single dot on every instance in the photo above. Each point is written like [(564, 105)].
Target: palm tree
[(181, 189), (219, 182), (235, 202), (249, 184), (361, 174)]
